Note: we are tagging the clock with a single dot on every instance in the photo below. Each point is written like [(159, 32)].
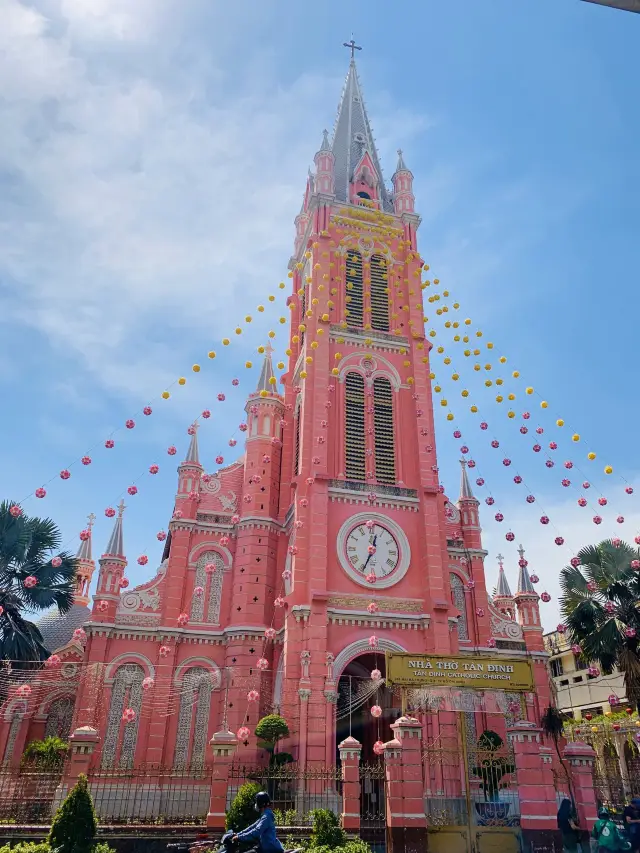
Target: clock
[(374, 546)]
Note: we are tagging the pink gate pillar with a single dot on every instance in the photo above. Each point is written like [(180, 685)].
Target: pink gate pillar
[(581, 758), (350, 750), (536, 786), (83, 743), (224, 746), (404, 790)]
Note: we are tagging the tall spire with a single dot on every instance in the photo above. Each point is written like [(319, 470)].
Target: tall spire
[(325, 141), (525, 587), (84, 551), (115, 546), (401, 166), (502, 589), (267, 372), (193, 454), (465, 486), (352, 136)]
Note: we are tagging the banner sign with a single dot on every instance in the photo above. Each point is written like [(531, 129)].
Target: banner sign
[(477, 672)]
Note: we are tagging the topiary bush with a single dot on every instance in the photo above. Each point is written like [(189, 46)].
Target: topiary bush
[(74, 825), (241, 813), (326, 831)]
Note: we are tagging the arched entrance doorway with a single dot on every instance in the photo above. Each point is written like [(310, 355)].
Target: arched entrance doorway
[(357, 694)]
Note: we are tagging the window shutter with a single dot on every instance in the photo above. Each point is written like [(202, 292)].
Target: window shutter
[(354, 305), (383, 429), (379, 296), (354, 427)]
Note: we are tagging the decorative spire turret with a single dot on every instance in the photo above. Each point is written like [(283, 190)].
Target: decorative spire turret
[(193, 453), (403, 197), (525, 587), (466, 493), (115, 546), (502, 589), (85, 565), (527, 603), (266, 373), (324, 161)]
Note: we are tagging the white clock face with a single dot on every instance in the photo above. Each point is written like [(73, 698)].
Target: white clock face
[(372, 549)]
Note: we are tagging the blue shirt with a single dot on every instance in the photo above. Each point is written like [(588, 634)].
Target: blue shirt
[(263, 831)]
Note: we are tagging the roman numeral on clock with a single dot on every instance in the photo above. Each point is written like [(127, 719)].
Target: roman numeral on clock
[(391, 562)]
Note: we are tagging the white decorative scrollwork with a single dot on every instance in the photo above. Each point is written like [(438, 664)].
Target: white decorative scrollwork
[(143, 599), (451, 512), (213, 486), (504, 627), (229, 502), (69, 670)]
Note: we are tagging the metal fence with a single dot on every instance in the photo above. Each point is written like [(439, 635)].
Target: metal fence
[(295, 792), (27, 795)]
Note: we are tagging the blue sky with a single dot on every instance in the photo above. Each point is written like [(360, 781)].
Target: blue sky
[(152, 159)]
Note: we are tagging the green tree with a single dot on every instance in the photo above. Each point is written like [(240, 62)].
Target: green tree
[(74, 826), (600, 604), (269, 731), (241, 812), (28, 547), (47, 754)]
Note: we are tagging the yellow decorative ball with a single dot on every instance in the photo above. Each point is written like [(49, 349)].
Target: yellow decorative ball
[(196, 368), (272, 380), (489, 345), (290, 274), (503, 360), (529, 390), (281, 285), (182, 381), (211, 354), (280, 365), (303, 374), (499, 398), (264, 393), (309, 360), (410, 380), (560, 422), (473, 409), (314, 344), (432, 376), (226, 342), (456, 305), (248, 364), (260, 349), (449, 417), (516, 374), (325, 318), (238, 331), (260, 307), (272, 334), (608, 469), (288, 352), (283, 320), (511, 414), (575, 437), (511, 396), (437, 389), (467, 322), (591, 456), (295, 339), (335, 371), (302, 328), (464, 393), (165, 395), (544, 405)]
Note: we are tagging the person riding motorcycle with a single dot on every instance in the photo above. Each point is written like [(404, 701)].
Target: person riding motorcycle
[(260, 836)]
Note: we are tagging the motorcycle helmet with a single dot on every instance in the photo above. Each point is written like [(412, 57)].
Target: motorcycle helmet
[(262, 800)]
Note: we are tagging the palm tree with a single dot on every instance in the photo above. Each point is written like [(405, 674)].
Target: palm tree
[(600, 603), (28, 551)]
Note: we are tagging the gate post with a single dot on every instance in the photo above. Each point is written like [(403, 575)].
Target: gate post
[(350, 750), (83, 743), (536, 786), (581, 759), (406, 818), (224, 746)]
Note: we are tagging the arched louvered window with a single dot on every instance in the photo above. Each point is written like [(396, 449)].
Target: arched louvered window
[(120, 740), (354, 298), (379, 294), (354, 427), (458, 600), (383, 430), (193, 719)]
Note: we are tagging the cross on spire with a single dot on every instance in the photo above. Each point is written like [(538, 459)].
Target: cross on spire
[(91, 520), (521, 552), (269, 350), (121, 508), (352, 46), (500, 560)]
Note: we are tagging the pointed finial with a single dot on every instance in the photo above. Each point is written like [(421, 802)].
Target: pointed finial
[(465, 485), (267, 371), (500, 560), (269, 350), (352, 46), (193, 453), (91, 518), (325, 141), (521, 552), (121, 507), (115, 546), (503, 590), (84, 551), (524, 581)]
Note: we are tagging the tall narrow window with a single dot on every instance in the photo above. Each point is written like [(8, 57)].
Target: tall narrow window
[(379, 294), (383, 429), (296, 449), (458, 600), (59, 718), (354, 427), (353, 298), (126, 692), (193, 719)]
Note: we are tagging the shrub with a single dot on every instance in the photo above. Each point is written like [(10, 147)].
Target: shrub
[(44, 847), (74, 825), (326, 831), (269, 731), (241, 813), (47, 754)]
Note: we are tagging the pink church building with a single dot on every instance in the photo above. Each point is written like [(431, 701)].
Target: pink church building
[(289, 573)]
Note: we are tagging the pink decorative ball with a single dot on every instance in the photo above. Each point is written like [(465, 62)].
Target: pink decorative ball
[(635, 564), (480, 611), (523, 563), (506, 462), (293, 550), (171, 450), (143, 560), (616, 542), (242, 427), (575, 648), (553, 445), (64, 475), (630, 633), (286, 575), (183, 619), (210, 567), (593, 671), (530, 499), (471, 584), (235, 382), (243, 733), (592, 586), (549, 463), (610, 607), (517, 479), (147, 683), (163, 651), (526, 416), (253, 696), (537, 448), (561, 628), (86, 460), (235, 519), (30, 581), (133, 490), (304, 503), (278, 602), (376, 675), (378, 747), (629, 490), (457, 433), (586, 485), (177, 513), (109, 512), (147, 410), (41, 492), (495, 443), (219, 460), (568, 464), (372, 607), (376, 711), (602, 501), (221, 398), (534, 579), (24, 691), (489, 501), (232, 442), (559, 540), (262, 664), (270, 633), (161, 536), (373, 642), (566, 483), (128, 715), (56, 562), (464, 449), (198, 591), (499, 516), (491, 643), (620, 519), (524, 430), (582, 501), (484, 425), (130, 424), (597, 519), (80, 635), (153, 469), (480, 481), (575, 562), (53, 661), (544, 519), (510, 536), (370, 578), (85, 535), (109, 443), (545, 597), (124, 583), (471, 463)]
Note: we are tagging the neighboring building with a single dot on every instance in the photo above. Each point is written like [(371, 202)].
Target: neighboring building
[(332, 529), (625, 5), (578, 692)]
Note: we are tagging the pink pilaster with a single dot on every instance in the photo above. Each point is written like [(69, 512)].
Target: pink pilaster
[(350, 750), (223, 745), (534, 775), (581, 758), (406, 819)]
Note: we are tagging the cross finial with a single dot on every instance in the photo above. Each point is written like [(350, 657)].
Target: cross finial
[(500, 560), (121, 508), (352, 46), (269, 349), (399, 152), (91, 519), (521, 552)]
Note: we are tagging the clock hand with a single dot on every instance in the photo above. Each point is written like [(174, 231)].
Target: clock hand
[(375, 539)]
